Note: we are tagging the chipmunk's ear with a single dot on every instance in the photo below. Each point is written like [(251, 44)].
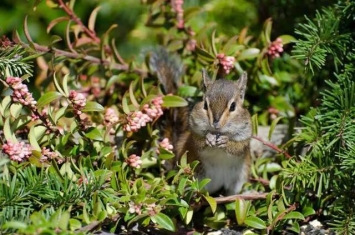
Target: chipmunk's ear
[(242, 85), (206, 79)]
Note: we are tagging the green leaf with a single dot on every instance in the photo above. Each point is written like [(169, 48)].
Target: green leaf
[(212, 202), (48, 97), (60, 113), (255, 222), (132, 97), (64, 220), (174, 101), (213, 43), (254, 121), (74, 224), (273, 125), (203, 54), (307, 211), (241, 210), (92, 106), (36, 132), (14, 225), (164, 221), (8, 132), (125, 106), (248, 54), (57, 86), (268, 26), (287, 39), (92, 18), (294, 215), (15, 110), (189, 216), (165, 154), (187, 91), (94, 134)]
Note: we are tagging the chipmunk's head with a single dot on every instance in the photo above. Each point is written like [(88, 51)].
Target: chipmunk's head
[(222, 108)]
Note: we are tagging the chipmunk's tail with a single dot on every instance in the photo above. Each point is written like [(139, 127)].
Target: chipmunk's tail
[(169, 70)]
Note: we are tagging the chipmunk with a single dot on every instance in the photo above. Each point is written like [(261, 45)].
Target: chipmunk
[(218, 132)]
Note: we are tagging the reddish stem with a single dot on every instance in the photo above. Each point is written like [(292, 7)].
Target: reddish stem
[(76, 19), (274, 147)]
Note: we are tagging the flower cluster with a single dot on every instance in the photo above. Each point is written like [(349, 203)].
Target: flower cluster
[(275, 48), (134, 161), (227, 62), (17, 151), (165, 144), (138, 119), (177, 7), (47, 154), (137, 208), (111, 117), (78, 100), (20, 92)]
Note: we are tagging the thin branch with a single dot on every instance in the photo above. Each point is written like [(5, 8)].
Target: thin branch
[(76, 19), (274, 147), (232, 198), (92, 59)]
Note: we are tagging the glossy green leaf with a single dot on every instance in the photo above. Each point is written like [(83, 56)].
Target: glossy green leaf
[(241, 210), (174, 101), (307, 211), (64, 220), (248, 54), (203, 54), (163, 221), (92, 106), (294, 215), (273, 125), (165, 154), (254, 121), (15, 110), (74, 224), (92, 18), (47, 98), (286, 39), (94, 134), (212, 202), (8, 132), (255, 222)]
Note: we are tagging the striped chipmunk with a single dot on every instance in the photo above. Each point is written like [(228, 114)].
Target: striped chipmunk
[(216, 131)]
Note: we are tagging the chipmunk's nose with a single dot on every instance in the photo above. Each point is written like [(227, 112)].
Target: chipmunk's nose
[(216, 124)]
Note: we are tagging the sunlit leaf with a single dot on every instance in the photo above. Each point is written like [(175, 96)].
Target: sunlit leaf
[(164, 221), (47, 98), (174, 101), (92, 106)]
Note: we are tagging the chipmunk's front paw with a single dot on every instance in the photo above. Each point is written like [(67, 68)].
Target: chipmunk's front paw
[(221, 141), (211, 139)]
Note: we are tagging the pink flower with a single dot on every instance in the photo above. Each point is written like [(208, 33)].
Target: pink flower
[(275, 48), (177, 7), (227, 62), (78, 100), (138, 119), (165, 144), (20, 92), (17, 151), (47, 154), (134, 161), (135, 208), (111, 117)]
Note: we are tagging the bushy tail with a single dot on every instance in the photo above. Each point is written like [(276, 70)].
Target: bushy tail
[(169, 70)]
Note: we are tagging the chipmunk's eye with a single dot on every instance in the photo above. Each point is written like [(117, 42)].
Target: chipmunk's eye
[(232, 107), (205, 107)]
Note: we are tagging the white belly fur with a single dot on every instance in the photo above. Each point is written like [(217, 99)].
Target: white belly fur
[(225, 170)]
